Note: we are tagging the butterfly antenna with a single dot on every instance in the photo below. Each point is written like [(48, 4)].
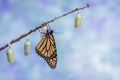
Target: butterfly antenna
[(57, 32)]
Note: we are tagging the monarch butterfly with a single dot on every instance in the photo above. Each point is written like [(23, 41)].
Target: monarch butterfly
[(46, 48)]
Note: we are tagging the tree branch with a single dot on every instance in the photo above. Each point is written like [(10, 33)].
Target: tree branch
[(42, 25)]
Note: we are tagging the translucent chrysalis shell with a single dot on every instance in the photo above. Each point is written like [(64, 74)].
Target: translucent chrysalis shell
[(43, 30), (27, 47), (78, 20), (10, 55)]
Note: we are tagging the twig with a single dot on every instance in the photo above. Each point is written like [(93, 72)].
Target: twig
[(42, 25)]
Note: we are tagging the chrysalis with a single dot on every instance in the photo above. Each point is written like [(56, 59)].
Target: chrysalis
[(78, 20), (43, 30), (27, 47), (10, 55)]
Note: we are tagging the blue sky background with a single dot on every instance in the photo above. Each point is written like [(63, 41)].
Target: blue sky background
[(91, 52)]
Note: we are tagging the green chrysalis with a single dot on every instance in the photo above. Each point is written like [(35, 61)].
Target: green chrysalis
[(78, 20), (10, 55), (27, 47)]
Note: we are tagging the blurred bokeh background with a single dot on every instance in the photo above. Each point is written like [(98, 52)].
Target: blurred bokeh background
[(91, 52)]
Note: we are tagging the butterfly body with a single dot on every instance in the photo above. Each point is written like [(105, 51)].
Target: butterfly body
[(46, 48)]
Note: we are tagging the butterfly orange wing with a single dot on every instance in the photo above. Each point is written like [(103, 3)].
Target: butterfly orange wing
[(46, 48)]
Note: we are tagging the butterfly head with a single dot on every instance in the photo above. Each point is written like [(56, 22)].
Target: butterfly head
[(49, 31)]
